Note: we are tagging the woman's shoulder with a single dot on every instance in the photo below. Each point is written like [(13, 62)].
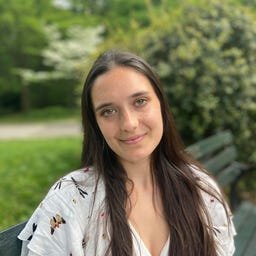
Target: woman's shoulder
[(204, 178), (82, 181), (218, 210), (209, 188), (213, 197), (75, 192), (64, 214)]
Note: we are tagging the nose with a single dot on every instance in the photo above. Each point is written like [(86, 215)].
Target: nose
[(128, 121)]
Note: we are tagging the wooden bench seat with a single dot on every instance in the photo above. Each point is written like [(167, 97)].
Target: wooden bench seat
[(218, 154)]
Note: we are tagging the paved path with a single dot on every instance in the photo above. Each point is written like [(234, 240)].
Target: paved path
[(39, 130)]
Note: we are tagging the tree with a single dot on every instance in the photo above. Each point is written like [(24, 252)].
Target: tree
[(65, 57), (21, 40)]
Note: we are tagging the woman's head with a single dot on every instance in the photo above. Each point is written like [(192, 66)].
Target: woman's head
[(123, 83), (113, 108)]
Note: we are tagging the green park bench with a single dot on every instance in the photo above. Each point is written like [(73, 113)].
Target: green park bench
[(218, 154)]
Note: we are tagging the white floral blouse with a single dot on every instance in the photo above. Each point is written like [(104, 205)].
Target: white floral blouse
[(71, 221)]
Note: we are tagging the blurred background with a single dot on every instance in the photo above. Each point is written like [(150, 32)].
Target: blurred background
[(203, 50)]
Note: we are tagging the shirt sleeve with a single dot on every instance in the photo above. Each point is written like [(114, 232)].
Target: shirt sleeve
[(57, 225), (224, 230), (222, 221)]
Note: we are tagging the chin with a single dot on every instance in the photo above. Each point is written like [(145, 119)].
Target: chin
[(137, 159)]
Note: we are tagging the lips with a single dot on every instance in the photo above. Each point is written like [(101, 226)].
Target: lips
[(133, 139)]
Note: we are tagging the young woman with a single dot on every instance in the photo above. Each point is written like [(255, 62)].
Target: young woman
[(139, 192)]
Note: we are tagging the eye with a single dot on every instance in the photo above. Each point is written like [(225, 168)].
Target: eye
[(108, 112), (140, 102)]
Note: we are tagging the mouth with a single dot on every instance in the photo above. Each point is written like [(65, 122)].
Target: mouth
[(133, 139)]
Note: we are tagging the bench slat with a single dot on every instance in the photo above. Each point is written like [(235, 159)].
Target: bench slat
[(221, 160), (209, 145), (9, 243), (251, 251), (230, 173), (246, 231), (241, 214)]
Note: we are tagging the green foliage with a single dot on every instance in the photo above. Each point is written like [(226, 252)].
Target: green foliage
[(23, 39), (27, 49), (28, 169), (207, 61), (63, 59), (143, 17), (249, 3), (17, 21)]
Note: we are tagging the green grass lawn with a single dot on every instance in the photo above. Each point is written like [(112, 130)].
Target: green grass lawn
[(27, 170)]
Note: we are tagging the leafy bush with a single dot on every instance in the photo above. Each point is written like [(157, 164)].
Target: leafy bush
[(207, 61)]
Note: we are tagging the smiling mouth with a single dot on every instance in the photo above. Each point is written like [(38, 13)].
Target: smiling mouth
[(134, 139)]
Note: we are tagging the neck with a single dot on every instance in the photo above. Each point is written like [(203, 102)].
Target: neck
[(139, 173)]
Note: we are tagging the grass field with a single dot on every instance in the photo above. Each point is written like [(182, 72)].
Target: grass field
[(27, 170)]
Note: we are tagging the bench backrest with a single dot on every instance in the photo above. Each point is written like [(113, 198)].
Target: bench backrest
[(218, 154), (9, 243)]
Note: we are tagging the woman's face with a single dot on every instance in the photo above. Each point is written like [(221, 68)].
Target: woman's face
[(128, 113)]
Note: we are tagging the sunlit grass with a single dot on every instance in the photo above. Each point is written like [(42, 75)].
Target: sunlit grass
[(27, 170)]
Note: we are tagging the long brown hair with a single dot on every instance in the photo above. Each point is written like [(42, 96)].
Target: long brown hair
[(185, 212)]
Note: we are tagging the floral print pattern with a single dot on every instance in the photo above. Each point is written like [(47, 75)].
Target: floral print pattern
[(55, 222), (34, 226), (81, 191)]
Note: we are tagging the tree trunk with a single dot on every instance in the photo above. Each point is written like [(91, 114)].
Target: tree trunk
[(25, 102)]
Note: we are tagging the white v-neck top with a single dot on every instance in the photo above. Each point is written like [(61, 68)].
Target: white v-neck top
[(72, 220), (140, 248)]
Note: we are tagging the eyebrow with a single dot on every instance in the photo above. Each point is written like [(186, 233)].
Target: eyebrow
[(107, 104)]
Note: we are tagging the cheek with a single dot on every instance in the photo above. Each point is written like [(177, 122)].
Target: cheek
[(154, 117), (156, 122), (107, 129)]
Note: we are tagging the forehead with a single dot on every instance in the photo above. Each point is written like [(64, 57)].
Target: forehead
[(120, 82)]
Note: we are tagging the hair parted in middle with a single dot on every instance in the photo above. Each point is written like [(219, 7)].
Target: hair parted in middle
[(191, 231)]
